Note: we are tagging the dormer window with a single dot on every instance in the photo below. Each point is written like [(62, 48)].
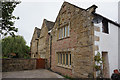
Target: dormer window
[(105, 28)]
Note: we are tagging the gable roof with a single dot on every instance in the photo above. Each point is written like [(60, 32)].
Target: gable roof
[(93, 6), (49, 24), (73, 5), (38, 31), (69, 4)]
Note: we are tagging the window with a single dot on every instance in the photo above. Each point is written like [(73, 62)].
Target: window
[(70, 59), (64, 59), (105, 28), (59, 33), (68, 30), (61, 58), (64, 32), (58, 58)]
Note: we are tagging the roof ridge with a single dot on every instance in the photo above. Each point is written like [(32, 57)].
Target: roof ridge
[(48, 20)]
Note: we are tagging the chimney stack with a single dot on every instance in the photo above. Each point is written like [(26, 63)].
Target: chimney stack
[(92, 9)]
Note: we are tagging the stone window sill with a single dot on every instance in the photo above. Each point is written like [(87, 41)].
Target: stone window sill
[(64, 66), (64, 38)]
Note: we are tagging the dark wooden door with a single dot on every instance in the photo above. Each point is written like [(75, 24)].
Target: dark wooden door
[(40, 63)]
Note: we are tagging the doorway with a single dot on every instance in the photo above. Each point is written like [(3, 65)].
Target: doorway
[(106, 73)]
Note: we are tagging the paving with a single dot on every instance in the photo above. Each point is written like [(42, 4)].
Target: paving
[(40, 73)]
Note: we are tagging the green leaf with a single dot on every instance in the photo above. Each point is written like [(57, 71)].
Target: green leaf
[(16, 45), (8, 17)]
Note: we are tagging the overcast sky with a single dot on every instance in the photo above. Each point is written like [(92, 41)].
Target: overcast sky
[(32, 12)]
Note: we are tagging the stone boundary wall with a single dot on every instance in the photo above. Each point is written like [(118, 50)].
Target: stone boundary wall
[(18, 64)]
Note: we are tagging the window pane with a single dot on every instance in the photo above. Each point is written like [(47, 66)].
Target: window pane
[(70, 59), (62, 32), (58, 57), (105, 28), (63, 58), (68, 30), (59, 33), (65, 32), (66, 59)]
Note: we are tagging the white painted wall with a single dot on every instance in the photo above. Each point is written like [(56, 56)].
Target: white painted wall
[(119, 48), (119, 35), (119, 12), (109, 43)]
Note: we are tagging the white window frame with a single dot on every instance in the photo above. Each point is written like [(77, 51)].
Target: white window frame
[(68, 30)]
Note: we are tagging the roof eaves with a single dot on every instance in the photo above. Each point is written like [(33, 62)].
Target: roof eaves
[(108, 19)]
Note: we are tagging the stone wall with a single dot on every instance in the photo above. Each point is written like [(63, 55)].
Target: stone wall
[(80, 43), (44, 46), (18, 64), (43, 41), (83, 61), (34, 43)]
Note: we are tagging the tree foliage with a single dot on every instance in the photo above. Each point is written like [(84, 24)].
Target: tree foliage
[(7, 18), (98, 64), (15, 45)]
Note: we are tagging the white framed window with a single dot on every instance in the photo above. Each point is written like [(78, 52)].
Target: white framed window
[(64, 59), (68, 30), (65, 31), (62, 32)]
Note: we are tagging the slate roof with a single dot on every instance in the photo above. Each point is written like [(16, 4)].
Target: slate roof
[(38, 32), (49, 24), (107, 19)]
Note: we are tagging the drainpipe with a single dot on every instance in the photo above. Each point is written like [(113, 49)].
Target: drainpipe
[(50, 49), (37, 44)]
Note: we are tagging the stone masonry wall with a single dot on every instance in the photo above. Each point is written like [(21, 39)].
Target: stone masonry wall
[(34, 45), (18, 64), (44, 47), (83, 61), (79, 43)]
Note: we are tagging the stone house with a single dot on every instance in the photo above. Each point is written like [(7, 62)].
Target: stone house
[(34, 43), (44, 41), (77, 36), (74, 39)]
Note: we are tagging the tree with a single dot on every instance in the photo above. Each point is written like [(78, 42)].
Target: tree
[(16, 45), (98, 64), (8, 19)]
